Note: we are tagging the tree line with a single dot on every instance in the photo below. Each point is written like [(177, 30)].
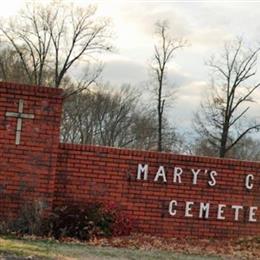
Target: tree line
[(44, 43)]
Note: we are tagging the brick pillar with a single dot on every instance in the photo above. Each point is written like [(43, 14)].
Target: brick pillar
[(29, 139)]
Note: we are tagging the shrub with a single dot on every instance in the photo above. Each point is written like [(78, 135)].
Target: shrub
[(93, 220), (121, 225), (83, 223), (4, 227), (29, 221)]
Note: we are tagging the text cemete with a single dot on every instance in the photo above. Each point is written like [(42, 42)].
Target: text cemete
[(203, 209)]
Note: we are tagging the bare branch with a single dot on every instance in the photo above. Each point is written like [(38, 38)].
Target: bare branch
[(255, 127), (50, 39), (223, 114), (164, 52)]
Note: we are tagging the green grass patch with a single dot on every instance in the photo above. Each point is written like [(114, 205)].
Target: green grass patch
[(45, 249)]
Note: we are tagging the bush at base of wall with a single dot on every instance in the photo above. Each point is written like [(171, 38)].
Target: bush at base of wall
[(86, 222), (80, 222)]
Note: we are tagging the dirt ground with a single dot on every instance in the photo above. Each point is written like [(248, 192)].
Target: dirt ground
[(246, 248)]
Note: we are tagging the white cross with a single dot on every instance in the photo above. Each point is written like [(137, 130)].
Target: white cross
[(20, 116)]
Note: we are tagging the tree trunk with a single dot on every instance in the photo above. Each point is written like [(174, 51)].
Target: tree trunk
[(223, 142), (160, 113)]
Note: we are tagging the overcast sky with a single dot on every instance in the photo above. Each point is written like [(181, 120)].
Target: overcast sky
[(206, 25)]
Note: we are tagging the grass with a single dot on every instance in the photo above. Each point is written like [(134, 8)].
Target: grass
[(45, 249)]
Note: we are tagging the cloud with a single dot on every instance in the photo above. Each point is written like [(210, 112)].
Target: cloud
[(124, 71), (10, 8), (187, 103), (120, 69), (145, 20), (203, 40)]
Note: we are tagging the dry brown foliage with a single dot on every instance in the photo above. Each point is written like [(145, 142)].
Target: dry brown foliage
[(246, 248)]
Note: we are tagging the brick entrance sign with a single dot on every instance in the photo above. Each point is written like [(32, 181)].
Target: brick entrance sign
[(165, 194)]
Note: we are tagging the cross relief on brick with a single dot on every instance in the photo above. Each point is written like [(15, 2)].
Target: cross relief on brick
[(20, 115)]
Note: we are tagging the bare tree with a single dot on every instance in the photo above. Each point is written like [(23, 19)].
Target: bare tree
[(10, 66), (164, 52), (114, 117), (222, 117), (55, 37), (108, 117), (246, 149)]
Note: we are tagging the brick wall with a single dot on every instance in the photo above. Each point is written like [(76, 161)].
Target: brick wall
[(168, 203), (27, 170), (87, 173)]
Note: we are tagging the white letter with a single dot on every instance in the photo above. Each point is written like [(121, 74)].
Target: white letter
[(236, 208), (252, 214), (249, 185), (212, 175), (160, 173), (142, 169), (188, 209), (195, 175), (172, 204), (204, 208), (221, 211), (177, 174)]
